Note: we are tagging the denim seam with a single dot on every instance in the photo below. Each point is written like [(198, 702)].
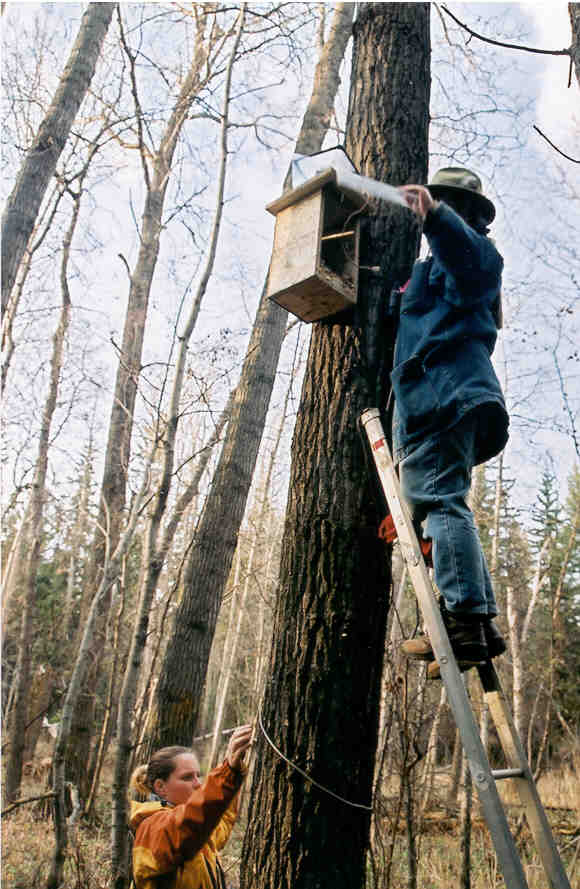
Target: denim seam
[(445, 516)]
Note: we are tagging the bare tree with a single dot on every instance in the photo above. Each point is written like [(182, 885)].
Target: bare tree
[(112, 567), (43, 225), (39, 165), (182, 679), (210, 40), (519, 636), (155, 554), (36, 511)]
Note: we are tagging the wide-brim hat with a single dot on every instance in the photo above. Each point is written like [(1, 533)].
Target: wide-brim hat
[(454, 180)]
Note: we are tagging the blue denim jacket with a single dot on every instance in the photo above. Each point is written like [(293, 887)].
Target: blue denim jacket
[(447, 333)]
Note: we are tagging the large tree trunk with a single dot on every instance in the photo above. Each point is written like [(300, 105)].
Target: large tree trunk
[(40, 162), (321, 703), (180, 687)]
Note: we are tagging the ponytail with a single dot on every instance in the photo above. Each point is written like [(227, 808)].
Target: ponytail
[(161, 765), (138, 786)]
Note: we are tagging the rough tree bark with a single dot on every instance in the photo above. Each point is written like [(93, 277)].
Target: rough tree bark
[(179, 691), (574, 10), (465, 826), (322, 699), (40, 162)]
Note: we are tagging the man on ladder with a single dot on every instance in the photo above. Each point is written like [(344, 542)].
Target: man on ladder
[(450, 415), (449, 410)]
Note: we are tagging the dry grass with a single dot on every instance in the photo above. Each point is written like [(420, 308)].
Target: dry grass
[(440, 861), (28, 843), (558, 790), (27, 846)]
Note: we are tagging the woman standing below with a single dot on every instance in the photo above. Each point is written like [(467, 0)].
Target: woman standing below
[(184, 823)]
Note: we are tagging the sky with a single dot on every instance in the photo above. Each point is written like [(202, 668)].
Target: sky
[(557, 114), (557, 105), (255, 180)]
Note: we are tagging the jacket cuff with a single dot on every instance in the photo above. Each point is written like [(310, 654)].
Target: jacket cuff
[(236, 776), (431, 218)]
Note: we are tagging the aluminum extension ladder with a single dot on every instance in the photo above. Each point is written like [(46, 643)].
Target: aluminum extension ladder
[(484, 778)]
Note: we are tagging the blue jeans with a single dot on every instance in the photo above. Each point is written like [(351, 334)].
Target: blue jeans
[(435, 480)]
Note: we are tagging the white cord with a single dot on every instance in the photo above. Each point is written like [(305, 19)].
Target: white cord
[(304, 775)]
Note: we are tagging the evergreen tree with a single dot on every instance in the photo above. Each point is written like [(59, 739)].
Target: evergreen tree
[(546, 511), (567, 617)]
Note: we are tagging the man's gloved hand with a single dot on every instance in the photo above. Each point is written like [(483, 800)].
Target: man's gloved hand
[(418, 199), (388, 533)]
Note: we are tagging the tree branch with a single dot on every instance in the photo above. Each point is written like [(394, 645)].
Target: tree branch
[(547, 52), (555, 147), (28, 799)]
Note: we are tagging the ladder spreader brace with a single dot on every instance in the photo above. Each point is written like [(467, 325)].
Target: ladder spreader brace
[(484, 778)]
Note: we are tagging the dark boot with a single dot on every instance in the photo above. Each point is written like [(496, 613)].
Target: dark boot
[(495, 642), (495, 646), (466, 636)]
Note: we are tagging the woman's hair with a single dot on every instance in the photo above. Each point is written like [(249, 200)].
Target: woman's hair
[(161, 765)]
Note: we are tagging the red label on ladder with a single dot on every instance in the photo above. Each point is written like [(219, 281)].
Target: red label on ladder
[(378, 444)]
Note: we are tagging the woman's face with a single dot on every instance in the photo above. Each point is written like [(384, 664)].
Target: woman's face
[(184, 779)]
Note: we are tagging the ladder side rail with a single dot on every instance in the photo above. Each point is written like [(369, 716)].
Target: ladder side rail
[(526, 787), (495, 816)]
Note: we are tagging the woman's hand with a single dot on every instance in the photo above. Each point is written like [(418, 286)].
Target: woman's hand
[(239, 743), (418, 199)]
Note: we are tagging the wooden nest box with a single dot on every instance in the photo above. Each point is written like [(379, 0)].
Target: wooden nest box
[(314, 267)]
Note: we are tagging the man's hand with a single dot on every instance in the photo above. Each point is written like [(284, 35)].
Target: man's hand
[(239, 743), (418, 199)]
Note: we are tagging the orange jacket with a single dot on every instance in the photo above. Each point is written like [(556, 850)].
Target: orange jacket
[(181, 842)]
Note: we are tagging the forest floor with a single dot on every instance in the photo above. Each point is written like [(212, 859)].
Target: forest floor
[(27, 842)]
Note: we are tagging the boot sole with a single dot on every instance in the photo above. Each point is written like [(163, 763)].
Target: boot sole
[(468, 653), (429, 658), (465, 664)]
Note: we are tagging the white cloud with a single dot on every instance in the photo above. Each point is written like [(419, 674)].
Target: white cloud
[(558, 106)]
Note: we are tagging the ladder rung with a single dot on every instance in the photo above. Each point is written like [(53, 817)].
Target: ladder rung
[(499, 774)]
